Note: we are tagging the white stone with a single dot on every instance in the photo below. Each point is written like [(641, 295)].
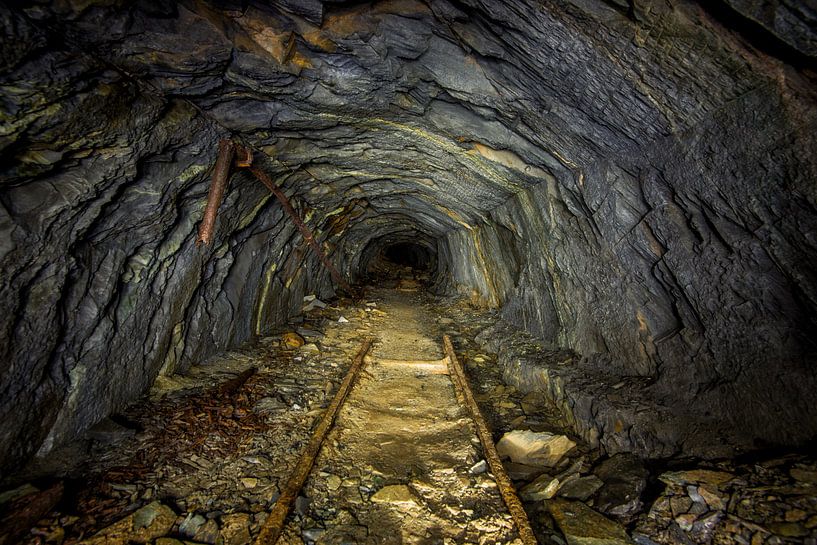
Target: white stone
[(479, 467), (534, 448)]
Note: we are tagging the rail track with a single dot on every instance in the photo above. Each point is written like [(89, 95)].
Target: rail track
[(449, 366)]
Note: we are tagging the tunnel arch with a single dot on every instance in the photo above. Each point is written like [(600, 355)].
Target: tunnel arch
[(636, 187)]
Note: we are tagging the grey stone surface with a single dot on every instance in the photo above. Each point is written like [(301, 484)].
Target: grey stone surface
[(629, 182), (793, 22)]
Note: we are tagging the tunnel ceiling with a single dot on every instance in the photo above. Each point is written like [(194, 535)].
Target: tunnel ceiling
[(443, 109), (630, 180)]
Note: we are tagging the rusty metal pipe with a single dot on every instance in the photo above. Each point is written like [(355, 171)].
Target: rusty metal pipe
[(307, 234), (221, 173)]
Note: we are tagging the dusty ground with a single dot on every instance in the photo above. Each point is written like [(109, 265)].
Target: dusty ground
[(395, 469)]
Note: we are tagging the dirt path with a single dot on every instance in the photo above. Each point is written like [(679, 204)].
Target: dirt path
[(395, 469)]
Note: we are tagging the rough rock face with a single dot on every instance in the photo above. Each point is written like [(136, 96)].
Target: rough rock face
[(631, 182), (102, 286), (794, 23)]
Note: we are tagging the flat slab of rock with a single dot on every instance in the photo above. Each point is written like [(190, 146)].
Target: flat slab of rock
[(395, 493), (543, 488), (625, 479), (582, 488), (696, 476), (142, 526), (584, 526), (534, 448)]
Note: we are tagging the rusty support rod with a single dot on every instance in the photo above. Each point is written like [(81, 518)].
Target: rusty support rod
[(221, 174), (243, 156), (307, 234), (274, 525), (489, 449)]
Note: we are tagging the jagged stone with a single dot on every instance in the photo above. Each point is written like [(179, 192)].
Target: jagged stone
[(235, 529), (581, 489), (534, 448), (625, 479), (292, 340), (583, 526), (543, 488)]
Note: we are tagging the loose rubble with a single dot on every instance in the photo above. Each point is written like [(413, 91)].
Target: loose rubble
[(200, 460)]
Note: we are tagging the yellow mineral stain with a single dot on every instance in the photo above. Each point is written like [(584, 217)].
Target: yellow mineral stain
[(642, 322), (301, 61), (493, 296), (365, 18), (262, 300), (247, 219), (454, 216), (507, 158), (318, 39), (475, 162), (279, 45), (347, 23)]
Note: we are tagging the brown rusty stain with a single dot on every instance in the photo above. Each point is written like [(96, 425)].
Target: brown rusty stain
[(243, 156)]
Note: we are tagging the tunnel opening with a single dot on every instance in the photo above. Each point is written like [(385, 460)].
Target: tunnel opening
[(408, 254), (398, 263)]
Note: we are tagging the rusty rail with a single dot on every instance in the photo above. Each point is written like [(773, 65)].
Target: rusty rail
[(307, 234), (274, 525), (221, 173), (489, 449)]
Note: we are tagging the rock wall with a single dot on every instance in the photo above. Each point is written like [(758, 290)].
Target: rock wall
[(690, 261), (102, 287)]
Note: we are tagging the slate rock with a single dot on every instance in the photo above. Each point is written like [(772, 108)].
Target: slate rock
[(235, 529), (191, 524), (621, 227), (107, 431), (582, 525), (543, 488), (625, 479), (208, 533), (581, 489)]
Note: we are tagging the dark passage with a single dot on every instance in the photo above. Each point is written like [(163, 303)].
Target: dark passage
[(408, 254), (403, 262)]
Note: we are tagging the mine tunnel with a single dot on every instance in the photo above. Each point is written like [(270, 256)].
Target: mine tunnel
[(408, 271)]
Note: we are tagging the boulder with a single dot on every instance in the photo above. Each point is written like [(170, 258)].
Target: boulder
[(534, 448)]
